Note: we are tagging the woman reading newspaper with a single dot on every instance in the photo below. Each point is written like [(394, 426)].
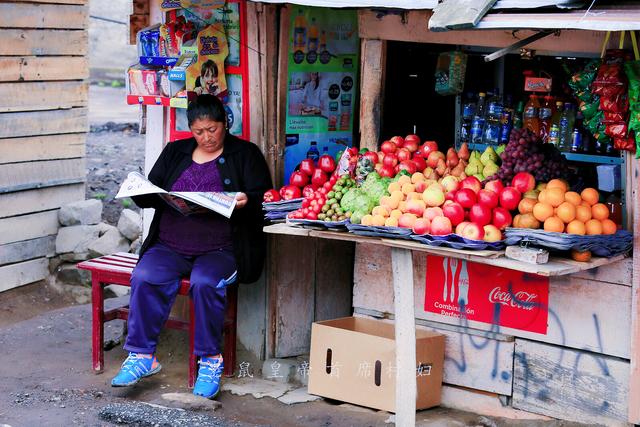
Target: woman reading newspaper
[(214, 251)]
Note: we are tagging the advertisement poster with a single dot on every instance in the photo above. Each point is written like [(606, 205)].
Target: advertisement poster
[(487, 294), (322, 83)]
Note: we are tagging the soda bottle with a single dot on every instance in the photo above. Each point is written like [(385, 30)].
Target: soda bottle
[(478, 120), (468, 111), (312, 41), (517, 115), (313, 152), (578, 135), (531, 117), (300, 31), (546, 116), (507, 123), (492, 128), (566, 127)]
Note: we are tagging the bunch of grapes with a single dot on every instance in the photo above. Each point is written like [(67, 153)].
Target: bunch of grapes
[(525, 153)]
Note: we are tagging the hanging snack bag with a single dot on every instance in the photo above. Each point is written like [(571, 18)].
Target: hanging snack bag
[(450, 72)]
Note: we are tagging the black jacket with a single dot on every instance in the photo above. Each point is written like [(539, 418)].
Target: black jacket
[(242, 168)]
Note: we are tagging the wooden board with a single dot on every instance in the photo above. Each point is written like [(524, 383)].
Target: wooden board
[(282, 88), (373, 64), (29, 15), (334, 279), (43, 199), (27, 249), (620, 273), (48, 147), (140, 6), (43, 42), (634, 381), (23, 273), (27, 227), (580, 314), (414, 29), (458, 14), (47, 173), (73, 120), (478, 361), (137, 22), (34, 96), (50, 1), (26, 68), (569, 384)]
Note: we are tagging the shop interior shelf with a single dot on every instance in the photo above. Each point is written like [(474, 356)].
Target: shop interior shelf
[(148, 100), (574, 157), (158, 61)]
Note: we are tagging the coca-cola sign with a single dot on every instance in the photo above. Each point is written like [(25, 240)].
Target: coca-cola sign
[(467, 291)]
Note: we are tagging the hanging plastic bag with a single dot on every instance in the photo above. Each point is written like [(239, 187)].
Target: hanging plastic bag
[(450, 73)]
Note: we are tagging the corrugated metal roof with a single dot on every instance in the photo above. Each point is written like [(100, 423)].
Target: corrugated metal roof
[(387, 4)]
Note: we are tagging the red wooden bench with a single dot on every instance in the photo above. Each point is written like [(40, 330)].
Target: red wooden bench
[(116, 269)]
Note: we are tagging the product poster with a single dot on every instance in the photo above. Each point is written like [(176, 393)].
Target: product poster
[(322, 83), (487, 294), (206, 75)]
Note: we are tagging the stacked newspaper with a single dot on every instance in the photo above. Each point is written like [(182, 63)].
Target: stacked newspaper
[(279, 210)]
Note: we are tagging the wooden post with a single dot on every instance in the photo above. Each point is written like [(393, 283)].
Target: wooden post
[(282, 91), (374, 57), (634, 371), (405, 324)]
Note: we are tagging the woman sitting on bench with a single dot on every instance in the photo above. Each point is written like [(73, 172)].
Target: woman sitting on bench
[(217, 252)]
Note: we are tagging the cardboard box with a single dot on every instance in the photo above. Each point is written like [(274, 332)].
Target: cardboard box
[(609, 177), (353, 360)]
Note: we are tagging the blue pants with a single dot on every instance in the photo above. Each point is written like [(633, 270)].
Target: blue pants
[(155, 282)]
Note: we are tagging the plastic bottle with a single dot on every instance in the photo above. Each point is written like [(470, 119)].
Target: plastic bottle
[(478, 120), (517, 115), (491, 134), (566, 127), (546, 117), (312, 40), (300, 31), (531, 115), (468, 111), (313, 152), (325, 150), (323, 41)]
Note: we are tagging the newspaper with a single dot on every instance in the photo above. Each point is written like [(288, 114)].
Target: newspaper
[(185, 202)]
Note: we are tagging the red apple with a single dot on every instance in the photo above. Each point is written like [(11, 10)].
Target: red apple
[(473, 231), (509, 198), (378, 167), (411, 139), (466, 197), (411, 146), (501, 218), (408, 165), (434, 156), (428, 147), (492, 233), (488, 198), (421, 163), (471, 182), (388, 147), (387, 172), (433, 196), (460, 227), (415, 207), (403, 154), (454, 211), (372, 156), (407, 220), (450, 183), (390, 159), (398, 141), (450, 196), (431, 213), (480, 214), (523, 182), (421, 226), (420, 186), (441, 226), (495, 186)]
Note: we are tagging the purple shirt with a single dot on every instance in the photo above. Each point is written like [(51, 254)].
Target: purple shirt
[(198, 233)]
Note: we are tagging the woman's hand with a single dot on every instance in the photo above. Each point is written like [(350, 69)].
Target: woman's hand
[(241, 200)]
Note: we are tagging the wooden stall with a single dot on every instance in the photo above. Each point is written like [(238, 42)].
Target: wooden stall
[(43, 125)]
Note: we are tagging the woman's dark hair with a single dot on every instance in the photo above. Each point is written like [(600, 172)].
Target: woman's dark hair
[(209, 65), (206, 107)]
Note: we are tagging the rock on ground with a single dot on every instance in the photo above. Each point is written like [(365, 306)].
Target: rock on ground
[(85, 212), (144, 414), (189, 401), (130, 224), (110, 242), (76, 238)]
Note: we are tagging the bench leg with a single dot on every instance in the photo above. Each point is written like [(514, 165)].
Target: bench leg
[(230, 325), (97, 307), (193, 360)]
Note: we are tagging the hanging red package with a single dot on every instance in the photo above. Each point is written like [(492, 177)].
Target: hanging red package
[(615, 104), (610, 117), (616, 130), (627, 143)]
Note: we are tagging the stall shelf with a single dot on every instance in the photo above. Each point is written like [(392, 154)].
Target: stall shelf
[(574, 157)]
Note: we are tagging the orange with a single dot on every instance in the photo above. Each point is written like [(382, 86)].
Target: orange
[(581, 256), (566, 212), (600, 211), (555, 196), (526, 205), (516, 221), (594, 227), (609, 227), (558, 183), (583, 213), (576, 227), (554, 223), (573, 198), (528, 221), (585, 203), (590, 195), (542, 211), (542, 196)]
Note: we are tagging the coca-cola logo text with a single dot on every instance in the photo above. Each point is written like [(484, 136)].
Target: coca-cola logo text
[(521, 299)]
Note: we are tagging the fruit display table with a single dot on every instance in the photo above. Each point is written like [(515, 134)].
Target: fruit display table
[(404, 299)]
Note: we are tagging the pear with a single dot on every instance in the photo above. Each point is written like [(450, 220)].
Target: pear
[(500, 149), (489, 155), (474, 167), (452, 158), (458, 170), (441, 168), (490, 169), (531, 194), (479, 176), (463, 152)]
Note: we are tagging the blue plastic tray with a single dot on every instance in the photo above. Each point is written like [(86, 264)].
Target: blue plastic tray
[(603, 245), (330, 225), (458, 242), (378, 231)]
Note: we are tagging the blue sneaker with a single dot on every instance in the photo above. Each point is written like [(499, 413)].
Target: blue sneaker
[(209, 374), (135, 367)]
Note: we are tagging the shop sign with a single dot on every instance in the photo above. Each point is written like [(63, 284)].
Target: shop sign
[(483, 293)]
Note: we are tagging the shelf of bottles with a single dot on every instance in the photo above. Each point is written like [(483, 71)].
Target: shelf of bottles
[(574, 157)]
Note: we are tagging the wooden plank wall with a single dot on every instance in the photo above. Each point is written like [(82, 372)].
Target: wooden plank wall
[(43, 124)]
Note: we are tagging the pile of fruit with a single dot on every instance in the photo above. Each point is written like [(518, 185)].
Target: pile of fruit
[(559, 210), (305, 180), (486, 164)]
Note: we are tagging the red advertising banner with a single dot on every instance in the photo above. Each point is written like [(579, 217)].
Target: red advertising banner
[(488, 294)]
